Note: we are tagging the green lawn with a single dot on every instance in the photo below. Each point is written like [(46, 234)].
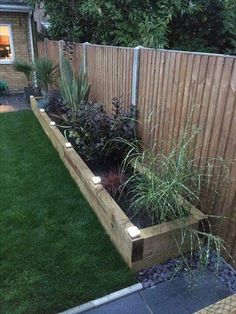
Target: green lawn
[(54, 254)]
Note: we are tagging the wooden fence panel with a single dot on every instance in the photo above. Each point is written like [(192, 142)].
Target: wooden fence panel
[(177, 89), (110, 73)]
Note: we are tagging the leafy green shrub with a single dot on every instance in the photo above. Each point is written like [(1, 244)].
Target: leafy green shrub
[(55, 102), (74, 89), (94, 131), (122, 125), (46, 72), (91, 131)]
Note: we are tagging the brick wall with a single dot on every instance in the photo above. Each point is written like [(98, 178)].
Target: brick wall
[(20, 29)]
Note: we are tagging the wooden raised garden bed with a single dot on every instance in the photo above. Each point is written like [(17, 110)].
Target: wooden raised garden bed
[(154, 244)]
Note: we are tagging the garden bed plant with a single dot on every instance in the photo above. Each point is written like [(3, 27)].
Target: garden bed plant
[(146, 200), (42, 72)]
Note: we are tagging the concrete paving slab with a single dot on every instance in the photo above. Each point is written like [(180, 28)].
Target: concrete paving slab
[(171, 305), (182, 295), (13, 103), (158, 294)]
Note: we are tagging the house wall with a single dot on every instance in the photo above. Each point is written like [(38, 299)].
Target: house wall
[(20, 29)]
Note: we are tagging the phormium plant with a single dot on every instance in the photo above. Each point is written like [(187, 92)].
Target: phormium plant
[(74, 89)]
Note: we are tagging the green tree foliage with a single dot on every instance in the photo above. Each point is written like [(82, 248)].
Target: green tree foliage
[(207, 25), (211, 29)]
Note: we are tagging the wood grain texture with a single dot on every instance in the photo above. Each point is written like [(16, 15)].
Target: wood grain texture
[(77, 60), (40, 49), (52, 48)]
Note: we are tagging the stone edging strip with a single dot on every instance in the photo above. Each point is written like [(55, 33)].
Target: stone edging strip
[(106, 299)]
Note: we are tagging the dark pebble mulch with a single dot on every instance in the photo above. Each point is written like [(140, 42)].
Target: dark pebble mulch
[(175, 267)]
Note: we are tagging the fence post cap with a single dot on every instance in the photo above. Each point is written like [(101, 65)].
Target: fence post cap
[(86, 43), (138, 47)]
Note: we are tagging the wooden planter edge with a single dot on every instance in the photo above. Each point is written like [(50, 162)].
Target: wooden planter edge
[(154, 244)]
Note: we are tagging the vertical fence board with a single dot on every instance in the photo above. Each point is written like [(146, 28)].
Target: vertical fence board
[(52, 50), (40, 49), (77, 57)]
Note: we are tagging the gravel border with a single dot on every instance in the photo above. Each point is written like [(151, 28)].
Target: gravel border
[(175, 267)]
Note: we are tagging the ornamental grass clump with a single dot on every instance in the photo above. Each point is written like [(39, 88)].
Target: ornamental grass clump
[(159, 179), (164, 186)]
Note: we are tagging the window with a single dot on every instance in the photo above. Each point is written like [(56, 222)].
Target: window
[(6, 44)]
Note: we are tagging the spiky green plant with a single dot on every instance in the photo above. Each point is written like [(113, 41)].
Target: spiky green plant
[(163, 185), (46, 72), (24, 67), (74, 88)]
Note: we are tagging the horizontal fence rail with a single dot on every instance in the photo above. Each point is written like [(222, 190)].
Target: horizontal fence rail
[(172, 89)]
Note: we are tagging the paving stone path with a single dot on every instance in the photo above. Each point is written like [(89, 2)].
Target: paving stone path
[(178, 296), (13, 103)]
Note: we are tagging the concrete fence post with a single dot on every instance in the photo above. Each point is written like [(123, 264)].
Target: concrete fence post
[(85, 64), (135, 76), (61, 44)]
